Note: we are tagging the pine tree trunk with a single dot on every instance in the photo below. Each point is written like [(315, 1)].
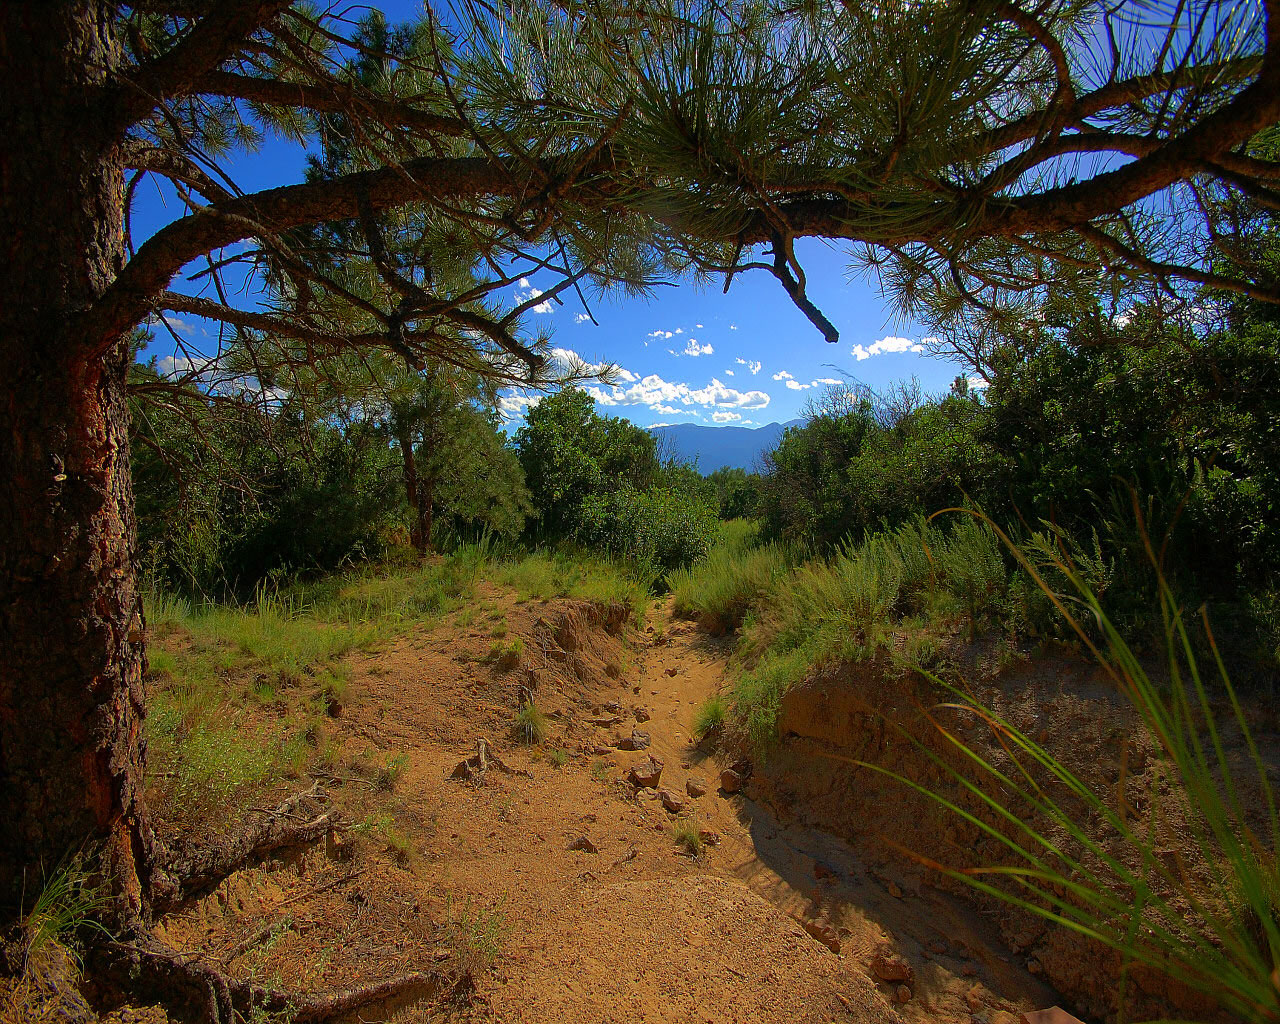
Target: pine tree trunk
[(411, 490), (72, 761), (426, 502)]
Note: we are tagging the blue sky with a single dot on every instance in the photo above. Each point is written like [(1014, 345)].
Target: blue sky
[(695, 355), (688, 353)]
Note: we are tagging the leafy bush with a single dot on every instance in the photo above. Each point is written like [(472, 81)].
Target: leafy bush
[(661, 528)]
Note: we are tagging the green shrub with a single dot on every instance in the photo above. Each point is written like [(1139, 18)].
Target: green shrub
[(708, 719), (530, 725), (728, 583), (663, 527)]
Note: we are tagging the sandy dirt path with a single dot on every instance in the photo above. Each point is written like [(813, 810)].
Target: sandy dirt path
[(562, 883)]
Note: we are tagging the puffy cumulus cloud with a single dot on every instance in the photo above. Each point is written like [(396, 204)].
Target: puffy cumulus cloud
[(679, 330), (733, 327), (626, 375), (694, 348), (795, 385), (655, 392), (978, 384), (729, 373), (516, 403), (889, 344), (725, 417), (660, 334), (697, 327), (526, 292), (829, 381), (782, 375), (570, 362), (671, 410), (582, 318), (752, 364)]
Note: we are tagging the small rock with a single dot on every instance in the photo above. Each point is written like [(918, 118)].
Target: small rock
[(646, 775), (709, 837), (904, 994), (636, 741), (824, 933), (670, 671), (936, 946), (635, 689), (606, 723), (584, 844), (641, 715), (730, 781), (743, 767), (820, 870), (612, 708), (889, 967), (695, 787), (671, 801), (613, 670), (895, 890)]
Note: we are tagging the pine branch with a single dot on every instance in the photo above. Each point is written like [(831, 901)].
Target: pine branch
[(213, 39)]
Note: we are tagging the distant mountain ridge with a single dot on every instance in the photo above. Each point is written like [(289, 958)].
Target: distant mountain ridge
[(714, 448)]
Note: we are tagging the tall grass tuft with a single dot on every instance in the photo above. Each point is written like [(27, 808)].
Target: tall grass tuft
[(530, 725), (1086, 861)]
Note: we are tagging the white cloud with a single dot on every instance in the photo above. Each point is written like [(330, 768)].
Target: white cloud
[(679, 330), (671, 410), (829, 381), (517, 403), (782, 375), (733, 327), (977, 384), (582, 318), (696, 349), (626, 375), (725, 417), (752, 365), (660, 334), (526, 292), (1123, 318), (655, 392), (889, 344), (728, 373), (795, 385), (697, 327)]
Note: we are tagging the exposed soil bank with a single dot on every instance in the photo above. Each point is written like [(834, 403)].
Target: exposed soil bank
[(872, 713)]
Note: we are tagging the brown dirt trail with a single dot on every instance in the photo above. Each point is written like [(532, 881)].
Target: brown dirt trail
[(442, 874)]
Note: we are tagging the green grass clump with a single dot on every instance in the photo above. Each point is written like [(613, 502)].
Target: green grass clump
[(475, 937), (724, 587), (558, 757), (505, 655), (708, 719), (383, 828), (68, 905), (544, 575), (688, 837), (530, 725)]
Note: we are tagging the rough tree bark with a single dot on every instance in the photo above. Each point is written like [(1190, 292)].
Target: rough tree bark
[(404, 438), (72, 760)]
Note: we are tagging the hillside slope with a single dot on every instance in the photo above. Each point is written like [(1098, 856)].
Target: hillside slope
[(714, 448)]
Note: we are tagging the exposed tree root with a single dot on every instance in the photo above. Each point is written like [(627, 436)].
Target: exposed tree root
[(196, 990), (186, 873)]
